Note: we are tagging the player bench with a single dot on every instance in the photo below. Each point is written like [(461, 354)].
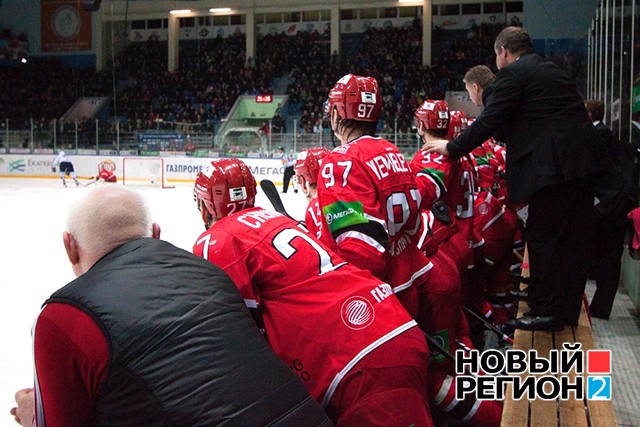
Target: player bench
[(562, 413)]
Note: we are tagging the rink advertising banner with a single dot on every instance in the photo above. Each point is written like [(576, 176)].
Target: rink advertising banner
[(65, 26), (178, 169)]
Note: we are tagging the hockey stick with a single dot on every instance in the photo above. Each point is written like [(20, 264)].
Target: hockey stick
[(439, 348), (270, 190), (84, 184), (517, 254), (488, 325)]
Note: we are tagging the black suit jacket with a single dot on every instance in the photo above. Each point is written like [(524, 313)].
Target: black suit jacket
[(611, 142), (550, 138)]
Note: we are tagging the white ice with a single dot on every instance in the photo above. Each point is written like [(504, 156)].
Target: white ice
[(33, 263)]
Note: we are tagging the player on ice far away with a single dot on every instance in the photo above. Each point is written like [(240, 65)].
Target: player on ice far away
[(66, 168)]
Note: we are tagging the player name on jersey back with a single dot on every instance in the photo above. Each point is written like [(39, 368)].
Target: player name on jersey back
[(386, 163)]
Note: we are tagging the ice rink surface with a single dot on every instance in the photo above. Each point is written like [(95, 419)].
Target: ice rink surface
[(34, 264)]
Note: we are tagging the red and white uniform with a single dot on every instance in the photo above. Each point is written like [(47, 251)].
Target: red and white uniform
[(107, 175), (501, 160), (313, 218), (441, 309), (486, 165), (452, 182), (370, 207), (500, 154), (498, 228), (322, 316)]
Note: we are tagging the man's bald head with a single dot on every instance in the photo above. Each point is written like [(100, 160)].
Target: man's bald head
[(104, 219)]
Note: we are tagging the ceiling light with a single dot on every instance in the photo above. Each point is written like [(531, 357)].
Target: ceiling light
[(219, 9), (180, 11)]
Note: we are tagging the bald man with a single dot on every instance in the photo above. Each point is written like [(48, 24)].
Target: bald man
[(142, 336)]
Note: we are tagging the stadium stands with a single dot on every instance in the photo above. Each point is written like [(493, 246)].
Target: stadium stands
[(213, 73)]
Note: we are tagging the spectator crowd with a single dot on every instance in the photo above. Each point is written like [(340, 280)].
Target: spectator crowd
[(214, 72)]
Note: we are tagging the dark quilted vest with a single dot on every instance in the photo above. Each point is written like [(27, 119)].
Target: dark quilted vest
[(184, 349)]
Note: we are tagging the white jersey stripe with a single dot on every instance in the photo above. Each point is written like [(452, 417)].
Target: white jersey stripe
[(415, 275), (368, 349), (494, 219), (362, 237), (444, 390)]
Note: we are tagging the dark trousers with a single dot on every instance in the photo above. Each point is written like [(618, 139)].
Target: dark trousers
[(606, 264), (288, 174), (559, 234)]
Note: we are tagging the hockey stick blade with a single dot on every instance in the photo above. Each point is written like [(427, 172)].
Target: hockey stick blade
[(272, 194)]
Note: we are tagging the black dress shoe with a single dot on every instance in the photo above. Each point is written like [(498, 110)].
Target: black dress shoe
[(539, 323), (598, 314), (519, 294), (571, 323)]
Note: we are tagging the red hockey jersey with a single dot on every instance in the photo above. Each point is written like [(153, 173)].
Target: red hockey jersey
[(313, 218), (321, 314), (452, 182), (370, 207), (107, 176)]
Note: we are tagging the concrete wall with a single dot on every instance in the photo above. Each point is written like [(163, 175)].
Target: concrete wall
[(558, 19)]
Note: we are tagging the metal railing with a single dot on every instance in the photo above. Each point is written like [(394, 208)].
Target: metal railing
[(95, 137)]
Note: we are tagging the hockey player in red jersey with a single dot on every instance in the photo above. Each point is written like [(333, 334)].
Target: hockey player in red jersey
[(367, 194), (498, 226), (486, 165), (457, 125), (439, 178), (445, 196), (371, 213), (106, 171), (339, 328), (307, 167)]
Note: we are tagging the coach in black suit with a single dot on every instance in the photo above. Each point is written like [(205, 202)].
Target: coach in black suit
[(610, 219), (553, 152)]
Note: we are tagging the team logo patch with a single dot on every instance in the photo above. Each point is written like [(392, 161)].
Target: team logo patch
[(329, 218), (483, 209), (357, 313), (343, 214)]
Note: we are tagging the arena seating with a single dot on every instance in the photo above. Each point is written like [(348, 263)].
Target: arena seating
[(212, 74)]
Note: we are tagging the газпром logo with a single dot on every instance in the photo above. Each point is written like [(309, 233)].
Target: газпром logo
[(357, 313)]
